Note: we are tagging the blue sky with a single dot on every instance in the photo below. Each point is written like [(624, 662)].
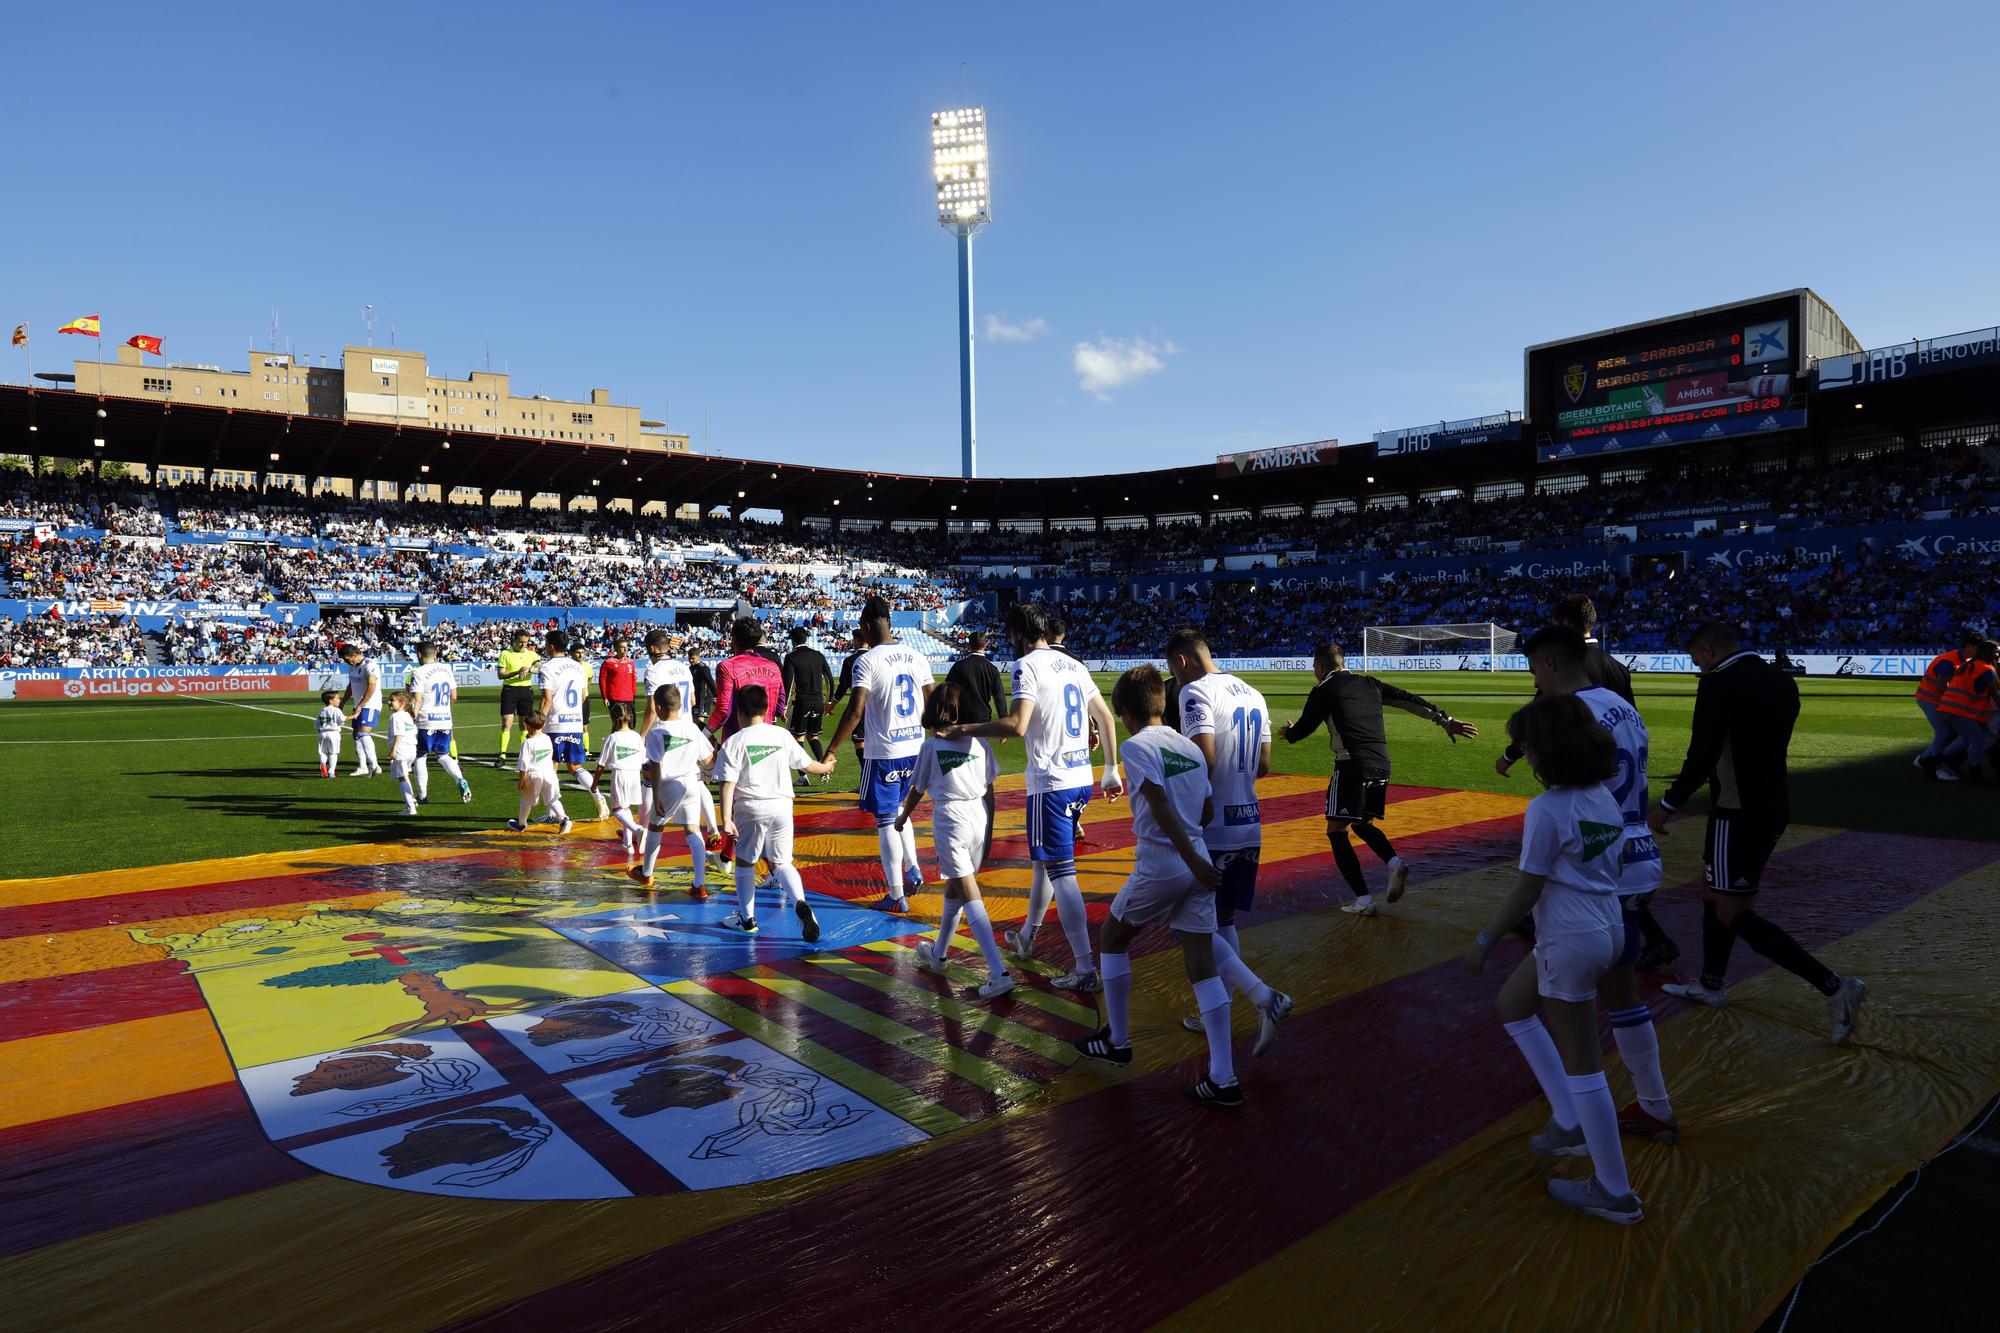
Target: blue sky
[(1216, 227)]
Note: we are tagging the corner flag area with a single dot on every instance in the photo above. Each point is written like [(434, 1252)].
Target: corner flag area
[(483, 1079)]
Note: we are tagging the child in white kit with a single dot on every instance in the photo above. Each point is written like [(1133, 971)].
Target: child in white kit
[(403, 747), (756, 766), (537, 767), (676, 751), (330, 723), (958, 775), (618, 765)]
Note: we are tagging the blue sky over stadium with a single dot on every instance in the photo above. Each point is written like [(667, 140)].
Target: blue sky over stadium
[(1216, 227)]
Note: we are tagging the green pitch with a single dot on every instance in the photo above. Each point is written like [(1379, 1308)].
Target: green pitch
[(90, 786)]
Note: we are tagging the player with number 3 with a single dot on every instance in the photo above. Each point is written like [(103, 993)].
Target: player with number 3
[(891, 683)]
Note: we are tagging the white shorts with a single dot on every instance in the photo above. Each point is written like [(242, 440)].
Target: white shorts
[(677, 801), (627, 788), (542, 788), (1166, 893), (960, 837), (402, 768), (763, 833), (329, 742), (1568, 965)]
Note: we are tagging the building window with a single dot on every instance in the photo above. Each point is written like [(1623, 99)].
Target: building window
[(156, 385), (579, 418), (385, 381)]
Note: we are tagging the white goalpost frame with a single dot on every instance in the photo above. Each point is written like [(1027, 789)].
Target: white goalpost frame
[(1403, 638)]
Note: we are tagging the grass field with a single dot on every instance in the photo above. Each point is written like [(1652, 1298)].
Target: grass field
[(93, 785)]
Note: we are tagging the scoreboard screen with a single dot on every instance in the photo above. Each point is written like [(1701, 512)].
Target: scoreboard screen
[(1737, 361)]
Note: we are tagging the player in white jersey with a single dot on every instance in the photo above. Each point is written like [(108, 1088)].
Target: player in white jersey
[(403, 747), (537, 769), (892, 683), (756, 765), (1557, 657), (1173, 881), (434, 689), (1230, 724), (659, 669), (676, 752), (364, 693), (564, 684), (332, 720), (619, 765), (1055, 703), (958, 776)]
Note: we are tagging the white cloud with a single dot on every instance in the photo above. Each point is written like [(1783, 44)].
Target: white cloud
[(999, 329), (1111, 363)]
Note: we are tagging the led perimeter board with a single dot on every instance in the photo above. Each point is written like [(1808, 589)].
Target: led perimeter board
[(1726, 369)]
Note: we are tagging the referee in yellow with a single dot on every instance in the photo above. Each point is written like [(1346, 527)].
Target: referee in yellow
[(517, 686)]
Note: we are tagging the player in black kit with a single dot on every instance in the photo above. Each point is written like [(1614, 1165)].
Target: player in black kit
[(1357, 794)]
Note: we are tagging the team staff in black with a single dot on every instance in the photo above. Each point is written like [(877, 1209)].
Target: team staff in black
[(1357, 794), (807, 680), (704, 685), (978, 682), (1744, 710)]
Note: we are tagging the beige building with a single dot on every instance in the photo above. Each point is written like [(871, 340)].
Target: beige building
[(381, 384)]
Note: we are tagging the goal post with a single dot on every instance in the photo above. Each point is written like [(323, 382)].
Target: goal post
[(1435, 647)]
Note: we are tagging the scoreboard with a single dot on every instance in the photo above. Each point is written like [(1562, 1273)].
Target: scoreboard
[(1728, 370)]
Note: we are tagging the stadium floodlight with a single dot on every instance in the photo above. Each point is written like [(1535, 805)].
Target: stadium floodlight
[(964, 205)]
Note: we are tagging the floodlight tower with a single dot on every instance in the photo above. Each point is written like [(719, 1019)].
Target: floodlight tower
[(964, 207)]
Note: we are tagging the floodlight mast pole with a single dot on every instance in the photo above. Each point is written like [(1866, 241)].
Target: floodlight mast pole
[(959, 164)]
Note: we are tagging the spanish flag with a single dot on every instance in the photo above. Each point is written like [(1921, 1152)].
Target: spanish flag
[(20, 335), (84, 324), (145, 342)]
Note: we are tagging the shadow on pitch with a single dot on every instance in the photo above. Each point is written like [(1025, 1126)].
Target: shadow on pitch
[(372, 822)]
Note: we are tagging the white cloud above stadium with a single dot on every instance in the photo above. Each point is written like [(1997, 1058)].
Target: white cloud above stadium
[(1113, 363)]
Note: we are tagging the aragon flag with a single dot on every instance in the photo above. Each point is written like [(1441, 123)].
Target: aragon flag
[(145, 342), (84, 324), (20, 335)]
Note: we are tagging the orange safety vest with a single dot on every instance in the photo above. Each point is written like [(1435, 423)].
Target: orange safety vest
[(1928, 688), (1961, 696)]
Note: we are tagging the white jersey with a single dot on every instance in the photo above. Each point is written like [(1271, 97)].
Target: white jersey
[(567, 683), (432, 685), (669, 671), (1642, 870), (1221, 706), (402, 737), (892, 725), (957, 771), (1169, 761), (623, 752), (330, 719), (1059, 730), (364, 683), (1572, 836), (760, 759), (538, 757), (677, 748)]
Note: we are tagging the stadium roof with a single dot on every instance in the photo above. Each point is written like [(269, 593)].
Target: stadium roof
[(157, 434)]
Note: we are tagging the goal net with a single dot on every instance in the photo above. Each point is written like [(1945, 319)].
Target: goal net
[(1435, 647)]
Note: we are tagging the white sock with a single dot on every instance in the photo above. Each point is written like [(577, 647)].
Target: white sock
[(982, 930), (1075, 920), (1591, 1096), (746, 891), (910, 858), (697, 853), (708, 819), (1227, 934), (788, 879), (450, 765), (651, 852), (1117, 978), (1040, 892), (1211, 996), (527, 806), (584, 781), (409, 798), (555, 804), (891, 844), (1539, 1049), (948, 924), (1229, 965), (629, 825), (366, 746), (423, 778), (1639, 1047)]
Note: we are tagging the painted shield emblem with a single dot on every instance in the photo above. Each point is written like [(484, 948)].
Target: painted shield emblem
[(520, 1036), (1575, 380)]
